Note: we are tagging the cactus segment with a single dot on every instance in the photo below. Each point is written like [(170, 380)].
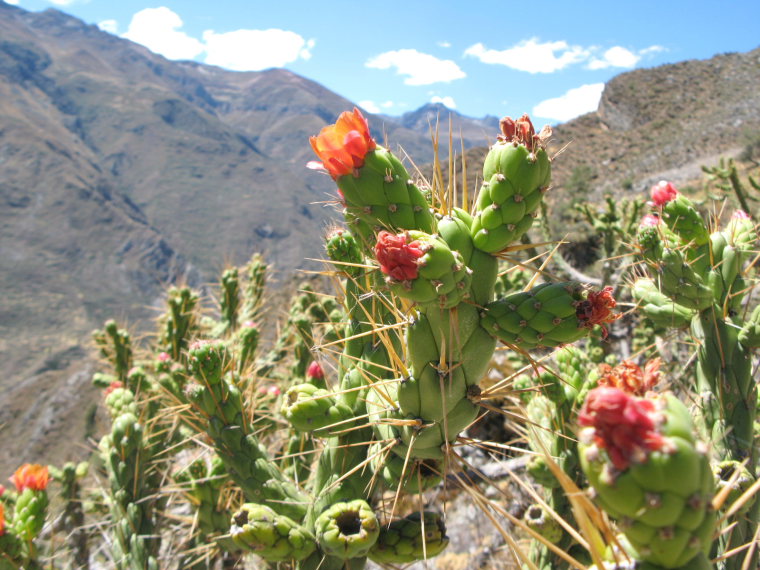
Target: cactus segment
[(342, 248), (412, 538), (274, 537), (641, 458), (679, 213), (549, 315), (312, 409), (749, 336), (422, 268), (516, 171), (679, 281), (658, 307), (381, 194), (347, 529)]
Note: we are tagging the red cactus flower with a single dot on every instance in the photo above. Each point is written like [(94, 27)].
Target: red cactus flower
[(31, 476), (343, 146), (397, 258), (630, 378), (623, 425), (597, 309), (662, 193), (315, 371)]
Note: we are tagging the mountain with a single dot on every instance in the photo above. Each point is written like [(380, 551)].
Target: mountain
[(664, 122), (474, 132), (122, 172)]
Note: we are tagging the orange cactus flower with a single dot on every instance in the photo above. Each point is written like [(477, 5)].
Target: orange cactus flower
[(31, 476), (630, 378), (343, 146), (2, 519)]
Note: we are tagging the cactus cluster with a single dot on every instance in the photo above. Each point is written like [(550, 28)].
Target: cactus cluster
[(302, 455)]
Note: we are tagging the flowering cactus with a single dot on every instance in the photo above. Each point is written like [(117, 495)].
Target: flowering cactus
[(698, 280), (649, 472)]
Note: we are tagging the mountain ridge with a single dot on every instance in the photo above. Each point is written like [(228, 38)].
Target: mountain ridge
[(122, 172)]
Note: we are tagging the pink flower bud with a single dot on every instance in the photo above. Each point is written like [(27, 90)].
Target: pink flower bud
[(663, 192), (164, 357), (113, 386)]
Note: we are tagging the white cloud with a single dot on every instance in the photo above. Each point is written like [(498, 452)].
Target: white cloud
[(373, 107), (369, 106), (444, 44), (574, 103), (447, 101), (652, 49), (12, 2), (254, 50), (158, 29), (57, 2), (615, 57), (110, 26), (618, 56), (420, 68), (531, 56)]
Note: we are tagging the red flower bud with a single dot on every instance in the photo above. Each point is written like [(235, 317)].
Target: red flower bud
[(397, 258), (315, 371)]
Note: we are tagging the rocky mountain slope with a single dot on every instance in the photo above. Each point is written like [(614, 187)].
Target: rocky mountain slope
[(122, 172)]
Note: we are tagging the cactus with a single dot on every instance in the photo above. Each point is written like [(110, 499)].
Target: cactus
[(299, 447), (649, 472), (698, 280)]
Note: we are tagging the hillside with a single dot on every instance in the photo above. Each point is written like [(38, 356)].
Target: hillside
[(123, 172)]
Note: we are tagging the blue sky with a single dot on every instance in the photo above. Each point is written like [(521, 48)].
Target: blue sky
[(549, 58)]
